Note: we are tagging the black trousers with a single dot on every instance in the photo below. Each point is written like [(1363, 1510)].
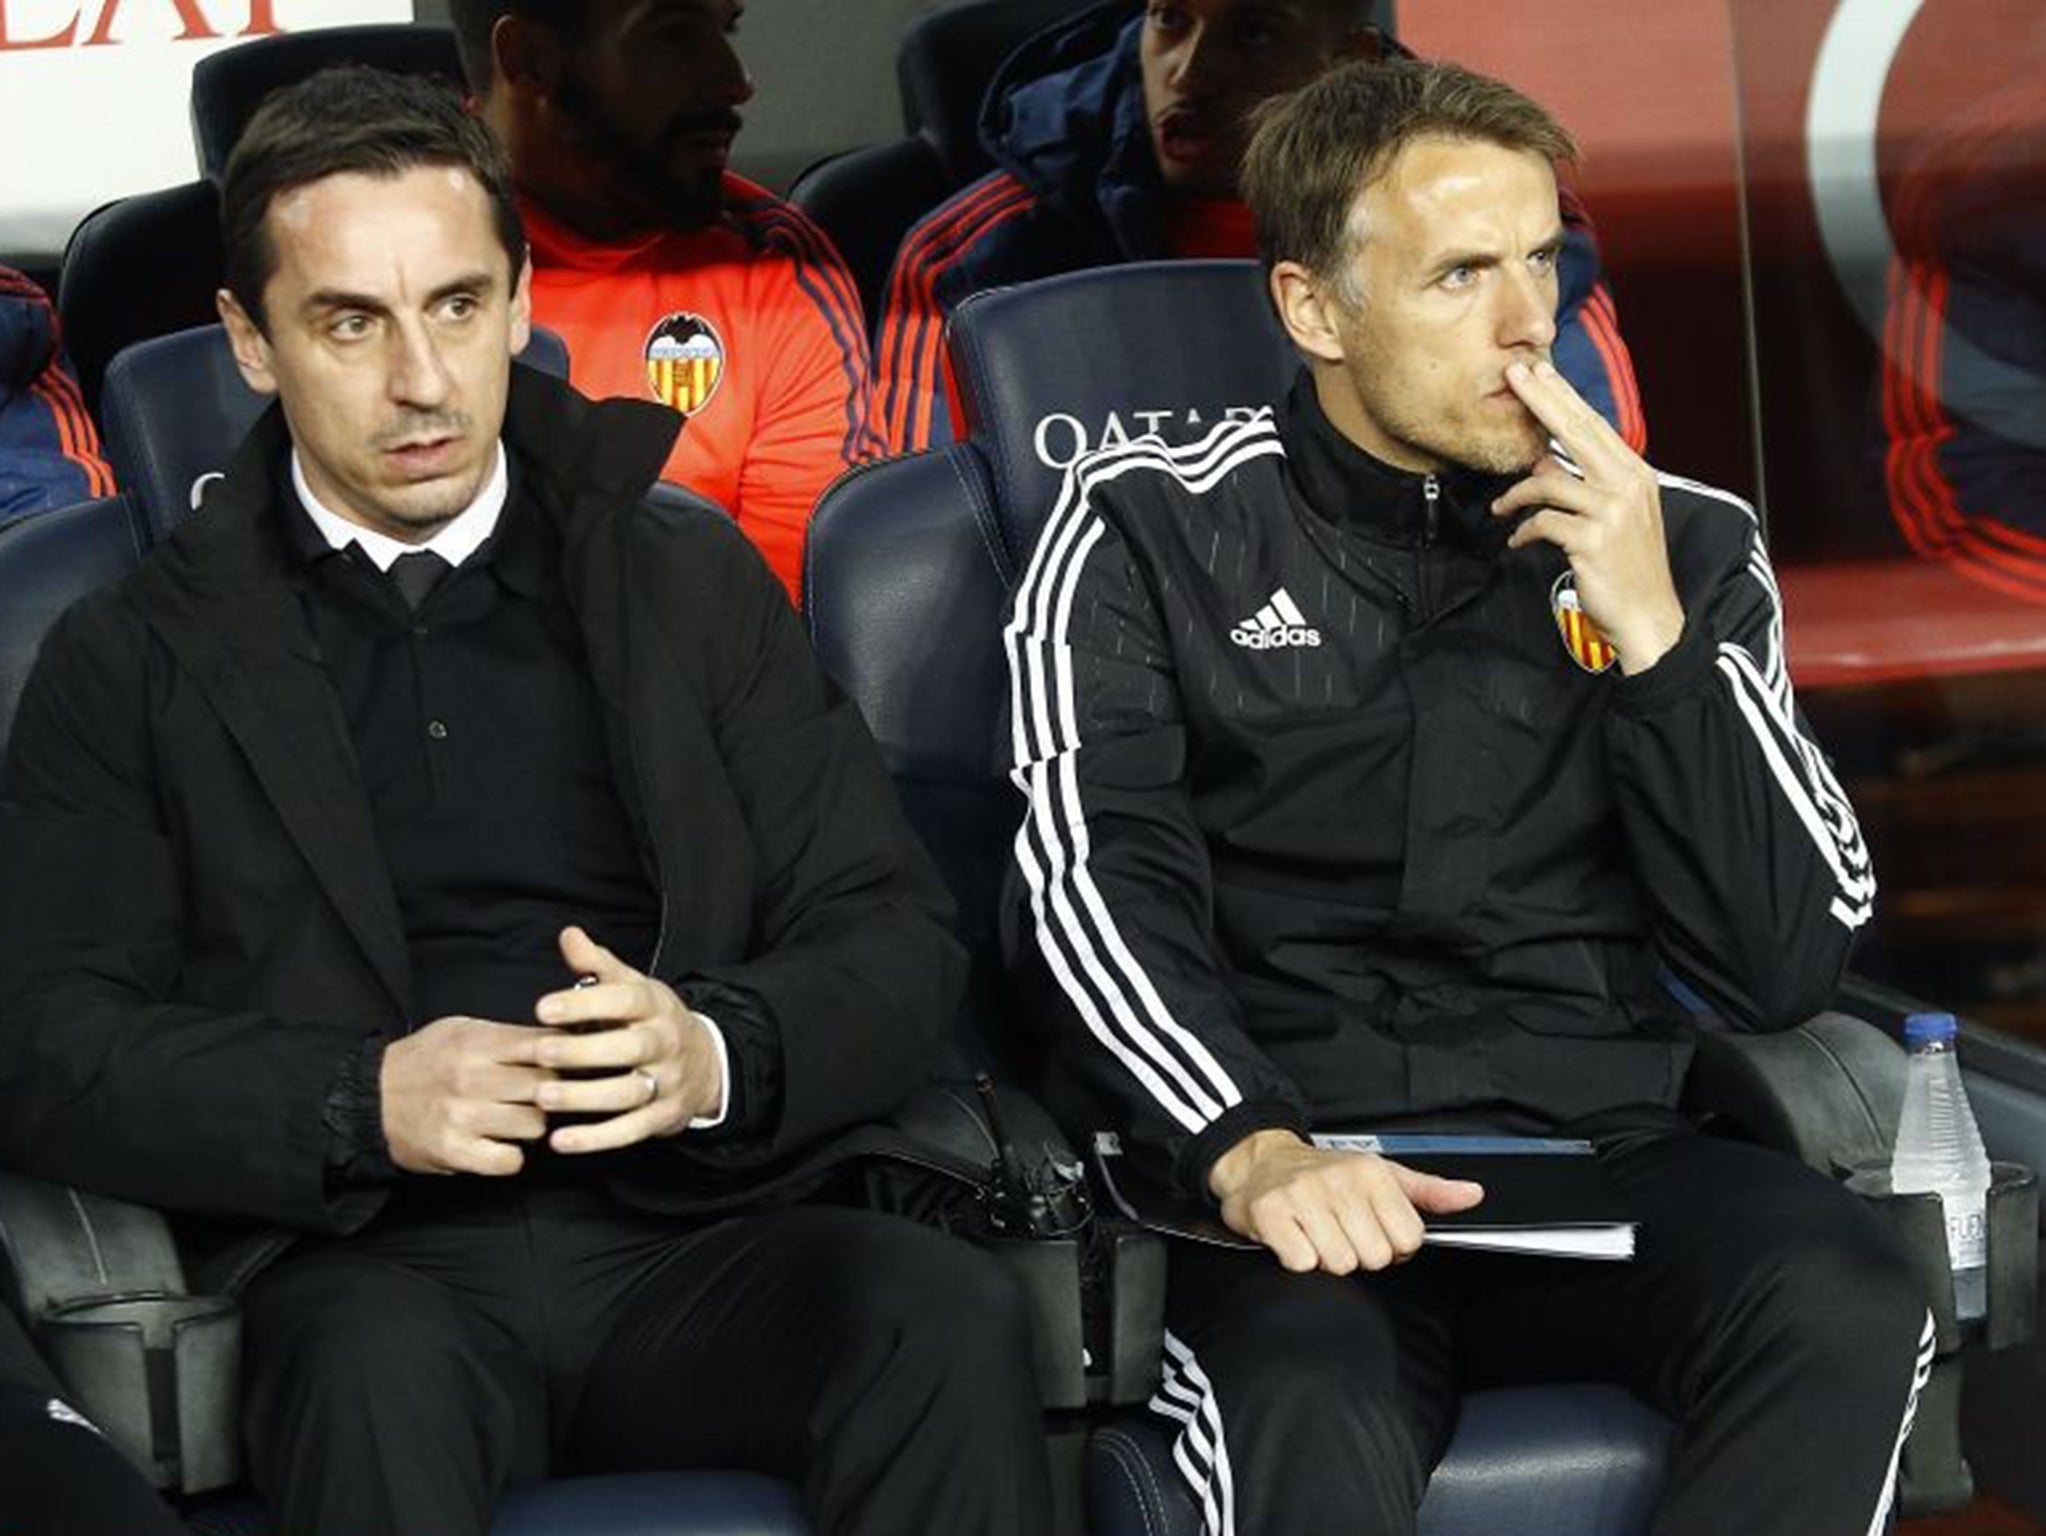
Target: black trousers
[(1766, 1313), (478, 1337), (58, 1477)]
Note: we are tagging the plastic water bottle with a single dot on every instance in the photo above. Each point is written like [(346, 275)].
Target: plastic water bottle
[(1939, 1152)]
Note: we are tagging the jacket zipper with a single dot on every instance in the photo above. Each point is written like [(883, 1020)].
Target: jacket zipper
[(1431, 513)]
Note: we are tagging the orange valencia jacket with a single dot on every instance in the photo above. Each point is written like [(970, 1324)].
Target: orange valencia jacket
[(750, 328)]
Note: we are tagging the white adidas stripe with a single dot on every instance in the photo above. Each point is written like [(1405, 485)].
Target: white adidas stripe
[(1200, 1451), (1776, 668), (1077, 934), (1288, 609), (1762, 693), (1831, 799), (1840, 848), (1920, 1375), (1699, 487)]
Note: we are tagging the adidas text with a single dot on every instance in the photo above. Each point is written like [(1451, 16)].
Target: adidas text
[(1273, 639)]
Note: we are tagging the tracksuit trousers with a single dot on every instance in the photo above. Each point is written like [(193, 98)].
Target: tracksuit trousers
[(472, 1338), (1767, 1313)]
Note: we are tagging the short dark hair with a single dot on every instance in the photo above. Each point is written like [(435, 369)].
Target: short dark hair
[(1317, 149), (475, 20), (350, 118)]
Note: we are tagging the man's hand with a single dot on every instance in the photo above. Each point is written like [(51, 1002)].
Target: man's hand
[(662, 1064), (1335, 1211), (1609, 523), (460, 1093)]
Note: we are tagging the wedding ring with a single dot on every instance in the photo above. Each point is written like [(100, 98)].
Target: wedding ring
[(653, 1085)]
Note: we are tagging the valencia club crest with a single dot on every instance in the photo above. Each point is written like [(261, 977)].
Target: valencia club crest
[(1587, 647), (685, 360)]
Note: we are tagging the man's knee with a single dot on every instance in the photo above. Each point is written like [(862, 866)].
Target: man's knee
[(352, 1335), (1839, 1291), (1312, 1373), (952, 1315), (1312, 1408)]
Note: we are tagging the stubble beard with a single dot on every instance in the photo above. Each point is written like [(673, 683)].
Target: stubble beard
[(1442, 437)]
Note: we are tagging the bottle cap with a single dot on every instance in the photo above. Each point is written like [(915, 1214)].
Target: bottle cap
[(1921, 1027)]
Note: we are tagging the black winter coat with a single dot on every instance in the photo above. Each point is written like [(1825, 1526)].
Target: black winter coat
[(197, 931)]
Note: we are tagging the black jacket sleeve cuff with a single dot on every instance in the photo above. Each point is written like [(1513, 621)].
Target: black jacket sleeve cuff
[(754, 1054), (1680, 669), (353, 1115), (1198, 1157)]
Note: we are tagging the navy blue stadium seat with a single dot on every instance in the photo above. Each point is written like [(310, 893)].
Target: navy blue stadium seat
[(140, 266), (903, 586), (908, 563), (1050, 370), (228, 86), (48, 560), (866, 199), (174, 408)]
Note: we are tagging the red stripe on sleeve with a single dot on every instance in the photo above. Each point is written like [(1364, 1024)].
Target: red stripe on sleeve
[(908, 357)]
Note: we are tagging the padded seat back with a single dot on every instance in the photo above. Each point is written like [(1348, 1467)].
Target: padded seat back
[(48, 560), (948, 58), (903, 587), (175, 409), (1050, 370), (144, 266), (228, 86), (866, 199)]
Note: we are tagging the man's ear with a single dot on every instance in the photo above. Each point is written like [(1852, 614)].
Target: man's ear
[(1306, 309), (525, 56), (251, 347), (522, 307)]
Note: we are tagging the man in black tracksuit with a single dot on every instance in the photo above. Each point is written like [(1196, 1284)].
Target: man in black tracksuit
[(444, 879), (1381, 768)]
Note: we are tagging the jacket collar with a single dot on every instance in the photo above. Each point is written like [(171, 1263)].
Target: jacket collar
[(1348, 487), (222, 593)]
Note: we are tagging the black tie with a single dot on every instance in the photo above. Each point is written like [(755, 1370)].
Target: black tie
[(417, 574)]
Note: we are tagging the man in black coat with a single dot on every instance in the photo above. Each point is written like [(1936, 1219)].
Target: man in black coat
[(445, 882)]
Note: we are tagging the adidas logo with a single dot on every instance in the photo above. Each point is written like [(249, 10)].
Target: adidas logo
[(1279, 623)]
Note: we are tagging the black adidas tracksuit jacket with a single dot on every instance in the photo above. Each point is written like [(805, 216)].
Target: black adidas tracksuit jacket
[(1328, 825)]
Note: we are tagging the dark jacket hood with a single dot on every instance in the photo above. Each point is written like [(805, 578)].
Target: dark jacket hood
[(1065, 115)]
